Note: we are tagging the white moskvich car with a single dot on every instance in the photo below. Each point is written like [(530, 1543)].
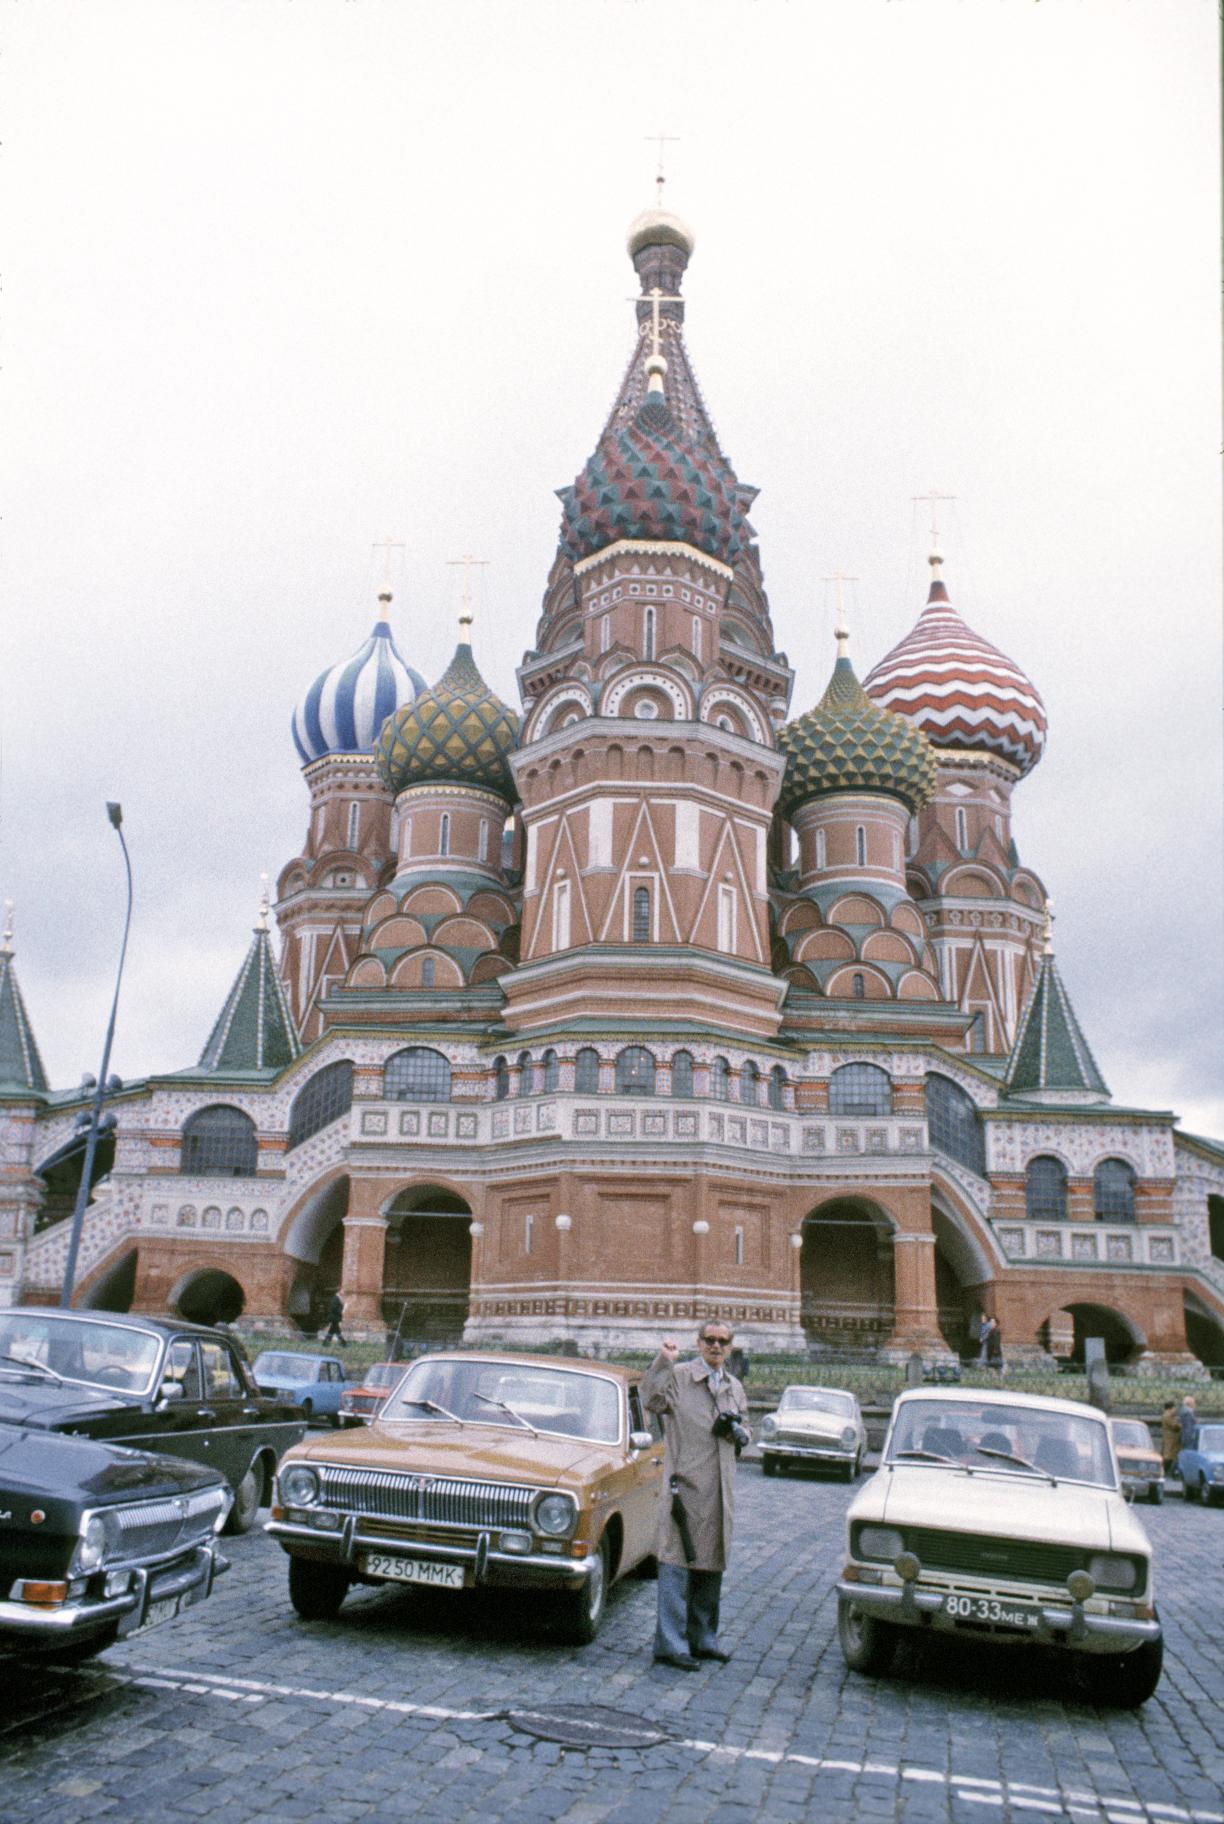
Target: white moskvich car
[(1001, 1516), (814, 1425)]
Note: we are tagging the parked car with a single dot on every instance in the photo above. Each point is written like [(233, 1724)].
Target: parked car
[(481, 1471), (1140, 1463), (1000, 1516), (99, 1542), (316, 1383), (367, 1400), (814, 1425), (152, 1383), (1202, 1469)]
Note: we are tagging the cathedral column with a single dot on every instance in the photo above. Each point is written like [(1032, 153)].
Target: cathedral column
[(915, 1306), (365, 1247)]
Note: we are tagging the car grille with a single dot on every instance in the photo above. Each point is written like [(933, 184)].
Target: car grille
[(804, 1440), (156, 1529), (441, 1499), (982, 1555)]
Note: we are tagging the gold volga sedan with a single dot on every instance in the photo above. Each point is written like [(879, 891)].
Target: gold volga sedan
[(485, 1471)]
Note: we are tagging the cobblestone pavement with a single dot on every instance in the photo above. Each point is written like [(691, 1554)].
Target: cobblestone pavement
[(398, 1708)]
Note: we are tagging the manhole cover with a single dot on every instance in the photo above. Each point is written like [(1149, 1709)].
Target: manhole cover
[(586, 1726)]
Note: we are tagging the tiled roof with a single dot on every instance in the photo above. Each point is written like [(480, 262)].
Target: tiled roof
[(848, 744), (255, 1030), (1051, 1054), (457, 732), (20, 1064)]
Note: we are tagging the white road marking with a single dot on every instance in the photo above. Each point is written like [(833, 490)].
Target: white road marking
[(970, 1788)]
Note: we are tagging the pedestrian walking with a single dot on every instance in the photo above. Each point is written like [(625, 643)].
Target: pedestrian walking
[(1187, 1424), (994, 1346), (986, 1329), (335, 1311), (1170, 1436), (704, 1412)]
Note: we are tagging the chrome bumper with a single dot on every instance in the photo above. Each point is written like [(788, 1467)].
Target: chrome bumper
[(1061, 1624), (487, 1563), (820, 1453), (77, 1618)]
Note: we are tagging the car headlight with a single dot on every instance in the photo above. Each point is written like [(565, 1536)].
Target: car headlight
[(848, 1436), (91, 1546), (1111, 1572), (882, 1542), (769, 1426), (555, 1515), (299, 1485), (1218, 1472)]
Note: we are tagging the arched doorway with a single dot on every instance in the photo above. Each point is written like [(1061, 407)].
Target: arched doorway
[(1204, 1332), (962, 1270), (846, 1281), (208, 1296), (314, 1244), (427, 1276), (115, 1289), (1124, 1341)]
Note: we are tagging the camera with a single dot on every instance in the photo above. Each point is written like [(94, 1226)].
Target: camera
[(726, 1425)]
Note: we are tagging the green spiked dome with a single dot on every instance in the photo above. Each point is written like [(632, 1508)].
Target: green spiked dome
[(848, 744), (458, 732)]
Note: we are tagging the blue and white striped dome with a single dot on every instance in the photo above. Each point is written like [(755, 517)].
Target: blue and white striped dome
[(346, 706)]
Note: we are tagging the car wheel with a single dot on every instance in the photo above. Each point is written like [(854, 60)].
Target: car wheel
[(1156, 1493), (769, 1465), (647, 1568), (867, 1645), (308, 1409), (248, 1499), (1190, 1490), (580, 1612), (1129, 1679), (317, 1590)]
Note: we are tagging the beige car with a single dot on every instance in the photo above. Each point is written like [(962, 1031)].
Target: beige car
[(1000, 1517), (485, 1471), (814, 1427), (1138, 1460)]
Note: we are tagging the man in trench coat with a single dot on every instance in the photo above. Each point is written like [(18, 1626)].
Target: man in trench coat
[(699, 1475)]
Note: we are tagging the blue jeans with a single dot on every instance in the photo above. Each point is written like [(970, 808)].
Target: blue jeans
[(688, 1610)]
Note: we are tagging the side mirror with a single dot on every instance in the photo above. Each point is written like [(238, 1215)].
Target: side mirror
[(169, 1392), (640, 1440)]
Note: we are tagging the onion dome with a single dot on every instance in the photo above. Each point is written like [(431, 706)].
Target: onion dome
[(659, 228), (346, 705), (647, 480), (847, 744), (458, 732), (959, 688)]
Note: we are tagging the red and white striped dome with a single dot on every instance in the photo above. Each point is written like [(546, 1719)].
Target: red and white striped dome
[(959, 689)]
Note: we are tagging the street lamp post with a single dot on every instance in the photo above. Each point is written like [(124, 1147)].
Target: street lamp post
[(115, 813)]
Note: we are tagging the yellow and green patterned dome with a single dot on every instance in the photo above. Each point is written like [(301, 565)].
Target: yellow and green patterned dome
[(458, 732), (848, 744)]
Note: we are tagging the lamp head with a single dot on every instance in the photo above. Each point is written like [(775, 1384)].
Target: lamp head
[(115, 813)]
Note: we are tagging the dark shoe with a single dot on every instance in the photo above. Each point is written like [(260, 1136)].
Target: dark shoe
[(711, 1653), (683, 1662)]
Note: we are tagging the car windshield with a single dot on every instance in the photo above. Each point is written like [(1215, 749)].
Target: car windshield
[(1019, 1439), (816, 1399), (95, 1353), (1132, 1434), (555, 1400), (273, 1367), (383, 1374), (1211, 1437)]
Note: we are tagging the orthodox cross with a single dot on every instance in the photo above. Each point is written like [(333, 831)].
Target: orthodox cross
[(934, 496), (6, 943), (387, 546), (841, 632), (661, 140), (263, 903), (469, 564), (657, 297)]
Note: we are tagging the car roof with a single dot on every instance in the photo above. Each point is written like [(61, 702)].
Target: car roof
[(999, 1396), (127, 1320), (573, 1363), (816, 1387)]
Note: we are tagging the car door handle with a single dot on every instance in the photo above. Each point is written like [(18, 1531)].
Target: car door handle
[(207, 1413), (250, 1412)]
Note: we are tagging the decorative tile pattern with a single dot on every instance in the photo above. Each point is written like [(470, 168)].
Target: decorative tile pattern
[(522, 1120), (1049, 1244), (438, 1124), (737, 1130), (373, 1121), (686, 1127), (847, 1140), (410, 1122), (546, 1117), (654, 1124), (465, 1127), (1118, 1247), (1161, 1251), (621, 1124), (877, 1139), (779, 1137), (760, 1133), (910, 1139), (501, 1123), (813, 1139), (586, 1123), (1013, 1241), (715, 1125), (1083, 1247)]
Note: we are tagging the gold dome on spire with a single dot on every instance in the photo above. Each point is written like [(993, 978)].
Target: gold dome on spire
[(659, 228)]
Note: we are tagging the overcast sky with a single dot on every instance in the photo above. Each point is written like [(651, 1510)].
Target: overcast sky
[(284, 278)]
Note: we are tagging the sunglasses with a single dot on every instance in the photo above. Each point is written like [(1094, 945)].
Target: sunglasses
[(716, 1342)]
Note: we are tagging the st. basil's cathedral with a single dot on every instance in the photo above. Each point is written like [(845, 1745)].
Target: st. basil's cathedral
[(648, 998)]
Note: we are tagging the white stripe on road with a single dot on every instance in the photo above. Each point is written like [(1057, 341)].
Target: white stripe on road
[(1050, 1800)]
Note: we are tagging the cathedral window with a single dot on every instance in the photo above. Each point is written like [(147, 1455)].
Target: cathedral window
[(501, 1079), (218, 1142), (552, 1073), (726, 920), (962, 828), (482, 849), (696, 637), (954, 1125), (641, 915), (417, 1074), (561, 916), (682, 1073), (354, 824), (407, 838), (777, 1087), (860, 846), (822, 850), (739, 1246), (327, 1096), (605, 633), (648, 633), (444, 834), (750, 1085), (586, 1071), (860, 1089), (528, 1231), (524, 1076), (429, 971), (1113, 1191), (1045, 1190), (858, 987), (720, 1080), (896, 850), (635, 1071)]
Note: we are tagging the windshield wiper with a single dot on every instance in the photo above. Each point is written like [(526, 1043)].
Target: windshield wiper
[(20, 1361), (928, 1456), (502, 1407), (433, 1406), (1009, 1456)]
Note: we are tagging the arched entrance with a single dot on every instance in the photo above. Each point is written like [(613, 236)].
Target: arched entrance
[(962, 1269), (846, 1281), (1204, 1332), (115, 1289), (208, 1296), (427, 1276), (314, 1243), (1065, 1332)]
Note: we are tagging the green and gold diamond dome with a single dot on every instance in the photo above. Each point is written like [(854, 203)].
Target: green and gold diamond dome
[(458, 732), (848, 744)]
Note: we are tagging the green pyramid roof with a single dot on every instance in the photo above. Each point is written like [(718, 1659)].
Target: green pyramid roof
[(255, 1030), (20, 1064), (1051, 1056)]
